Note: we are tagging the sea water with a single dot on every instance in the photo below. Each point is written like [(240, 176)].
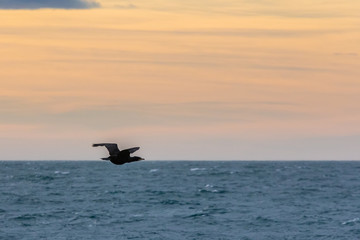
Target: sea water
[(179, 200)]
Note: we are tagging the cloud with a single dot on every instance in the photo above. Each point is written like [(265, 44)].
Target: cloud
[(128, 6), (56, 111), (291, 68), (348, 54), (36, 4)]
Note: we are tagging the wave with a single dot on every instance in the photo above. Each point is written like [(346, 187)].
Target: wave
[(351, 221), (211, 188), (197, 169), (60, 172)]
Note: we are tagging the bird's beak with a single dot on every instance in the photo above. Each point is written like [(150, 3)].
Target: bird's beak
[(142, 159)]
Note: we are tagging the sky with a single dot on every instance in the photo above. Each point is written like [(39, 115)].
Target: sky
[(184, 80)]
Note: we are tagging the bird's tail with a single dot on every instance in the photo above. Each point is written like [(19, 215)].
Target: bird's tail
[(106, 159)]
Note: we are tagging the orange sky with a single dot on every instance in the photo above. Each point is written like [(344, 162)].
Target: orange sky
[(211, 80)]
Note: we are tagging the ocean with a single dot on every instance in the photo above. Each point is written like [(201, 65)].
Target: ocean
[(180, 200)]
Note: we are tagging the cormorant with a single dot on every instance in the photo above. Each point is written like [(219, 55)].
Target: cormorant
[(119, 157)]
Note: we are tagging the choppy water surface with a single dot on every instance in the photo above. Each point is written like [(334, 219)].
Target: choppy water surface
[(179, 200)]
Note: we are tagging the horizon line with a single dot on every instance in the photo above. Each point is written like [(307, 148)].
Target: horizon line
[(189, 160)]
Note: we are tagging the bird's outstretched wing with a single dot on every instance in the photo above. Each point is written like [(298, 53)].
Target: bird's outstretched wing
[(111, 147), (131, 150)]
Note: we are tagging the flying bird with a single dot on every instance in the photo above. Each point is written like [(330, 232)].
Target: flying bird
[(119, 157)]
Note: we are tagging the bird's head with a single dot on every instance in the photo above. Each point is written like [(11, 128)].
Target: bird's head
[(136, 158)]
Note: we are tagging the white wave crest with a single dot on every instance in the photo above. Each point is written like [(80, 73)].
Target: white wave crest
[(351, 221), (197, 169), (60, 172)]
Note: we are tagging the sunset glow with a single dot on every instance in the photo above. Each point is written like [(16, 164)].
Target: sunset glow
[(204, 80)]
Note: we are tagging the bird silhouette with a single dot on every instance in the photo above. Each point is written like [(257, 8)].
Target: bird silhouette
[(119, 157)]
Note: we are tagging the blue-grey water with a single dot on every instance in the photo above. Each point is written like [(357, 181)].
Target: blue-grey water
[(179, 200)]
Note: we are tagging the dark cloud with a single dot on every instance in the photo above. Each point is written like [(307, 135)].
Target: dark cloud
[(36, 4)]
